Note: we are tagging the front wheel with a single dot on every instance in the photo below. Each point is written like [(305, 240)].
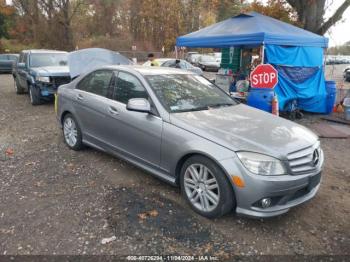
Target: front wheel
[(206, 188), (34, 95), (72, 133)]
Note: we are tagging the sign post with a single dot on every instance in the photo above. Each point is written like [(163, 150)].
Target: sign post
[(264, 76)]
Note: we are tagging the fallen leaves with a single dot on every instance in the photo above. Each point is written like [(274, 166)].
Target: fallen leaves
[(9, 152), (145, 215)]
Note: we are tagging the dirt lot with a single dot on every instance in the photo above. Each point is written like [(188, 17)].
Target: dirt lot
[(57, 201)]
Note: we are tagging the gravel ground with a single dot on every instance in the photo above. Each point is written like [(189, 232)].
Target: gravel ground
[(57, 201)]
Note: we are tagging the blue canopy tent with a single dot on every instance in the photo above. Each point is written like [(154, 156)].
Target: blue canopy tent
[(296, 53)]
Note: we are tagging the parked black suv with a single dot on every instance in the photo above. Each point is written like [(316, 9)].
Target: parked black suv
[(40, 72)]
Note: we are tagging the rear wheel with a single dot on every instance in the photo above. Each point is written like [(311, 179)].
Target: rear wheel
[(34, 95), (206, 188), (72, 133)]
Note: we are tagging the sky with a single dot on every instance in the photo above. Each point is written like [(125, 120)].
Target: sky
[(337, 34), (340, 32)]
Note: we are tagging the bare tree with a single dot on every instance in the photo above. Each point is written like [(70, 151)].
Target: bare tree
[(67, 9), (311, 14)]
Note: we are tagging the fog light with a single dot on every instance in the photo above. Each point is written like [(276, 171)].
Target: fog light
[(265, 202)]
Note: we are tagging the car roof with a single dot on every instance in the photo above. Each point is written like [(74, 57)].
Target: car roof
[(150, 70), (43, 51)]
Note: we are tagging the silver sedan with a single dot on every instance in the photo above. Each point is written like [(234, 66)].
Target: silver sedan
[(180, 127)]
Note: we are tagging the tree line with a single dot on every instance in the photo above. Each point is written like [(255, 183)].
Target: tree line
[(147, 24)]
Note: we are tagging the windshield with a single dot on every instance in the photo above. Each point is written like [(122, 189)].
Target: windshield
[(48, 59), (182, 93), (13, 57)]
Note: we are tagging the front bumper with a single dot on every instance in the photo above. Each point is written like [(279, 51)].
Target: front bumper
[(282, 200), (285, 191), (46, 89), (50, 89)]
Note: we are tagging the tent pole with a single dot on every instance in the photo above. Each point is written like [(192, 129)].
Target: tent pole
[(262, 53), (176, 52)]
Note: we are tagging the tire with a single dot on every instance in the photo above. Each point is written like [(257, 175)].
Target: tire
[(19, 90), (34, 95), (219, 201), (72, 133)]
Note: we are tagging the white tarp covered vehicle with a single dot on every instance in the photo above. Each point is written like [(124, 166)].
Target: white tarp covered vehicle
[(85, 60)]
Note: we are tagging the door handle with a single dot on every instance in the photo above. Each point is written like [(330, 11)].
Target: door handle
[(113, 111), (80, 97)]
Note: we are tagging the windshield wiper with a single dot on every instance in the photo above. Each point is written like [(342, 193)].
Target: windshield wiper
[(193, 109), (220, 105)]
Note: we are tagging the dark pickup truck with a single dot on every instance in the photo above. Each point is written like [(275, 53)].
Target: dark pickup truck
[(7, 61), (40, 73)]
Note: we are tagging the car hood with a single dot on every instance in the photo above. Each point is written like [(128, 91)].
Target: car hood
[(52, 71), (243, 128)]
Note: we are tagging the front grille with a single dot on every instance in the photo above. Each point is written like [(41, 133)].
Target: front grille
[(60, 80), (304, 160)]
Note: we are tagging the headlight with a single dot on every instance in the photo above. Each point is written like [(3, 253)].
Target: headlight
[(261, 164), (44, 79)]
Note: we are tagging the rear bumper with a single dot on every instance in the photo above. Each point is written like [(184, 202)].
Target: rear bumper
[(6, 70)]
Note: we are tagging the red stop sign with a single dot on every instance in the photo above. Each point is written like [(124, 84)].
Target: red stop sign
[(264, 76)]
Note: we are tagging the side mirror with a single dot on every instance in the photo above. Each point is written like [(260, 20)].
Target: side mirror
[(138, 105), (21, 65)]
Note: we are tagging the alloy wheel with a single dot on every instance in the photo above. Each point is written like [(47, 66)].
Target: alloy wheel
[(70, 132), (201, 187)]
